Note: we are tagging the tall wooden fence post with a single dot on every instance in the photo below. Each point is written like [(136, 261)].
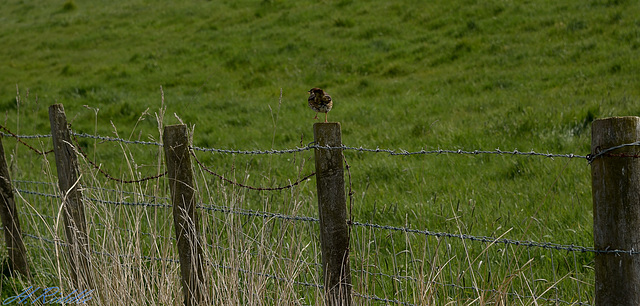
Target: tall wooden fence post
[(332, 207), (12, 233), (185, 220), (616, 210), (73, 212)]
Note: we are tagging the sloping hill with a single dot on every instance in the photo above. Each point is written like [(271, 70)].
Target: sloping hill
[(404, 75)]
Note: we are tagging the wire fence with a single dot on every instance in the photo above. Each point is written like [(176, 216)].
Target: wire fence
[(390, 264), (367, 271)]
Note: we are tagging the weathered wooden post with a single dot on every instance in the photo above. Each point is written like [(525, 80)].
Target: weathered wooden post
[(332, 207), (185, 220), (616, 210), (12, 233), (73, 209)]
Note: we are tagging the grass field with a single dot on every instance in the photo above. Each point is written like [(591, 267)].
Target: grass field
[(412, 75)]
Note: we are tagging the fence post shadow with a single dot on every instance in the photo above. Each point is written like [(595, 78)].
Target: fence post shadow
[(615, 178), (185, 218), (332, 211)]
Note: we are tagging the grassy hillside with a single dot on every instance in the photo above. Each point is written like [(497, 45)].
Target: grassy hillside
[(526, 75), (410, 75)]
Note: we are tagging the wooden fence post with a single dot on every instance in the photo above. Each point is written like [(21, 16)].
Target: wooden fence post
[(185, 219), (12, 233), (73, 209), (332, 207), (616, 210)]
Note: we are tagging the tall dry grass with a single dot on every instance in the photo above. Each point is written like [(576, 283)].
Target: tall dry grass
[(255, 258)]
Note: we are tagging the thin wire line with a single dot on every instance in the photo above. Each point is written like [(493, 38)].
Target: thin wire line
[(591, 157), (106, 138), (109, 176), (205, 168)]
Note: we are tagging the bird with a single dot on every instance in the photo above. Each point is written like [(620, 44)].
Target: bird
[(320, 101)]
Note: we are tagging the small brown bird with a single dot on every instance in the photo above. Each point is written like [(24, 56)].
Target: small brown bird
[(320, 101)]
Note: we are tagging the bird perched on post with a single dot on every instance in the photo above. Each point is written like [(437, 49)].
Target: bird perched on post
[(320, 101)]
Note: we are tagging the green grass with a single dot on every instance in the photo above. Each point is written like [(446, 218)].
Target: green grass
[(411, 75)]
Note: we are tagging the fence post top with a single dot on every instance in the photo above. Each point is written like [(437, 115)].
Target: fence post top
[(173, 126), (56, 107), (176, 127), (618, 118), (325, 124), (176, 130)]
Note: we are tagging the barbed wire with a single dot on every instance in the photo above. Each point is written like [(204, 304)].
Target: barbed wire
[(34, 136), (144, 204), (46, 195), (99, 189), (50, 241), (378, 274), (205, 168), (358, 271), (604, 152), (262, 274), (396, 152), (485, 239), (402, 152), (109, 176), (252, 213), (19, 139), (252, 152), (64, 244), (115, 139), (319, 286)]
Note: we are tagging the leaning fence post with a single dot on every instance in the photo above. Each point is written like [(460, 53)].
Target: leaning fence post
[(185, 220), (12, 233), (616, 210), (334, 232), (68, 182)]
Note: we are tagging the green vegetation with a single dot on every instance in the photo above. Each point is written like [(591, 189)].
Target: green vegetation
[(465, 74)]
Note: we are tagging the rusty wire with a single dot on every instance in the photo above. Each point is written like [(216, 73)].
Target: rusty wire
[(18, 138), (109, 176), (205, 168)]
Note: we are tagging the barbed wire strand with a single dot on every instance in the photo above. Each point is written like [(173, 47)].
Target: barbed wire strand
[(114, 139), (109, 176), (604, 152), (543, 245), (19, 139), (484, 239), (98, 189), (400, 152), (34, 136), (143, 204), (319, 286), (158, 236), (376, 274), (252, 213), (397, 152), (205, 168)]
